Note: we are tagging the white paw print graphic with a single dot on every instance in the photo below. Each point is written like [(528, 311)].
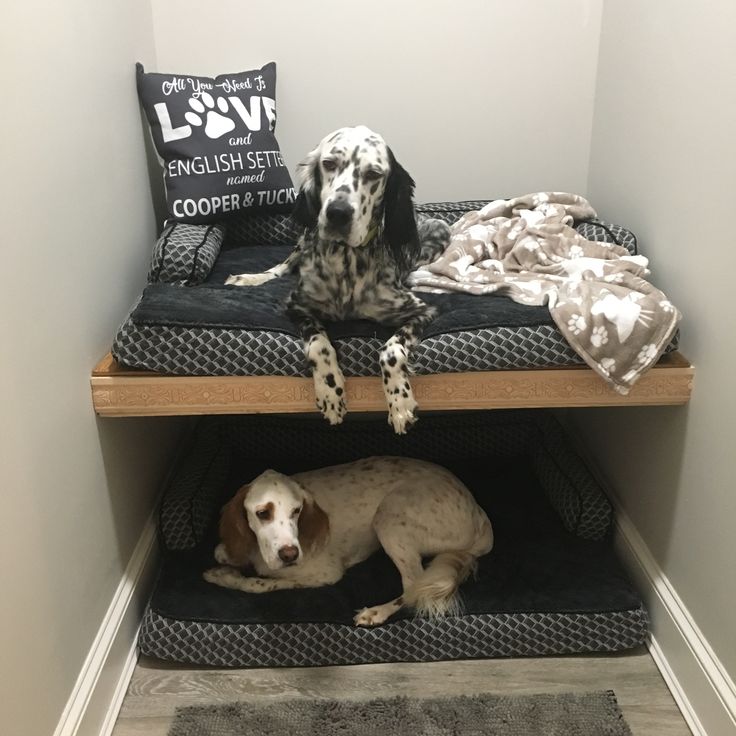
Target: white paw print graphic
[(647, 353), (667, 306), (575, 252), (577, 324), (599, 336), (608, 365), (217, 124)]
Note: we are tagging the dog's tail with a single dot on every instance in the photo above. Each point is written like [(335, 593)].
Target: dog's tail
[(434, 593)]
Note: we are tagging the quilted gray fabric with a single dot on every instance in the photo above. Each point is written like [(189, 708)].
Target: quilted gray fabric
[(193, 496), (442, 437), (276, 229), (570, 486), (210, 351), (200, 351), (408, 640), (185, 253)]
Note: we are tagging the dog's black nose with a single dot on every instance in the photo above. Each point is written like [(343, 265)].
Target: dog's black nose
[(289, 553), (339, 212)]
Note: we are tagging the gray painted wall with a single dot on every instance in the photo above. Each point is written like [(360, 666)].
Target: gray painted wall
[(78, 228), (478, 98), (663, 161)]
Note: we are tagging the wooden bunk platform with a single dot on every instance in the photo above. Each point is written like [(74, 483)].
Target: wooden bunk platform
[(122, 392)]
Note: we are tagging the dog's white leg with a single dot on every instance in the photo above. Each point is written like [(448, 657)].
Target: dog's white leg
[(230, 577), (394, 358), (396, 386), (403, 554), (329, 383), (256, 279)]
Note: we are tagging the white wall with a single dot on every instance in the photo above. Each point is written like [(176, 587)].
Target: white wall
[(77, 233), (663, 161), (477, 98)]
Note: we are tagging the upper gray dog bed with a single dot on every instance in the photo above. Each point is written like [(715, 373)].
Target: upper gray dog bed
[(188, 322)]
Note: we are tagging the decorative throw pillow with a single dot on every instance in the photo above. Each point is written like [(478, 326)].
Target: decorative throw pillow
[(216, 141)]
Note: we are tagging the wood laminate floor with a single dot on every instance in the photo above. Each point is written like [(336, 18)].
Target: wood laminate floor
[(156, 688)]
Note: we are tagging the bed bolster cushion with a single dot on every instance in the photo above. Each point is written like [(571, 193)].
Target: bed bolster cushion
[(185, 253)]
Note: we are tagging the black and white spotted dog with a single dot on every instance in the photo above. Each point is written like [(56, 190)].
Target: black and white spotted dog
[(361, 240)]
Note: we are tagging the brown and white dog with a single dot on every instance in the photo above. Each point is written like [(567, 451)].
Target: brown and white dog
[(305, 530)]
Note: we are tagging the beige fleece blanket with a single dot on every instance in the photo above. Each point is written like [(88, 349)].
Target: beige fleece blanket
[(526, 248)]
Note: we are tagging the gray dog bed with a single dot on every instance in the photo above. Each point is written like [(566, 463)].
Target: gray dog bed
[(551, 585), (188, 322)]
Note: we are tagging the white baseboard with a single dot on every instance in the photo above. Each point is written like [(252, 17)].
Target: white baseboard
[(699, 683), (98, 693)]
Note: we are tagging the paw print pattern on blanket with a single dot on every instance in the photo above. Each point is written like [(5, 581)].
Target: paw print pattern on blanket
[(599, 336), (647, 353), (596, 292), (576, 323)]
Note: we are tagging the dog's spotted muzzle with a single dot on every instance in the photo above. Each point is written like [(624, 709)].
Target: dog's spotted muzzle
[(339, 217)]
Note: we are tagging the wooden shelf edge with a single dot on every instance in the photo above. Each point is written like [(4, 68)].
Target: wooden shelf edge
[(120, 392)]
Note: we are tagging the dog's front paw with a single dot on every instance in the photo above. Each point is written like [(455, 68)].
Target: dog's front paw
[(222, 575), (329, 393), (229, 577), (249, 279), (331, 406), (401, 413)]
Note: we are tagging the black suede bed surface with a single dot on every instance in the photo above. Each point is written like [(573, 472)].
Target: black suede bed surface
[(212, 304), (535, 566)]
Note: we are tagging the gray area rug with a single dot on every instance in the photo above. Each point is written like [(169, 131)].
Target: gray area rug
[(566, 714)]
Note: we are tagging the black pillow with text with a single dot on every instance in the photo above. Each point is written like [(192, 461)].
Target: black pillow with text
[(217, 144)]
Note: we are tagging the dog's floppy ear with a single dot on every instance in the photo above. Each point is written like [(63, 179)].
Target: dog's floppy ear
[(307, 205), (235, 532), (399, 221), (314, 524)]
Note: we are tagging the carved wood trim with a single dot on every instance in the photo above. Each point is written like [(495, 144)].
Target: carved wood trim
[(117, 391)]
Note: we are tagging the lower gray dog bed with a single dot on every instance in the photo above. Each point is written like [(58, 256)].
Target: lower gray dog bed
[(551, 585)]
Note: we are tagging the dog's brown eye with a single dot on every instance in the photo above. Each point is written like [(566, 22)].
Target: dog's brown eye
[(296, 512), (329, 165), (263, 514), (372, 175)]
